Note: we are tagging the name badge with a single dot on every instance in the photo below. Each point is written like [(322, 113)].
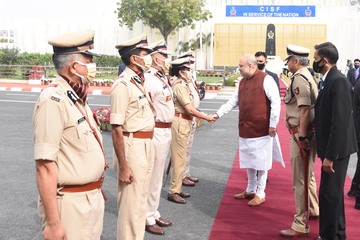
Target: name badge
[(80, 120)]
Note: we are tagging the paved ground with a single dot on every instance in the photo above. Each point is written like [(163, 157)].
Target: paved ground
[(213, 154), (23, 86)]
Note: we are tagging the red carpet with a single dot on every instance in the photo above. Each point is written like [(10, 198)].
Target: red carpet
[(236, 220)]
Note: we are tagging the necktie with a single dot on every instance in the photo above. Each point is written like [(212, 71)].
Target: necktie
[(321, 84), (356, 73)]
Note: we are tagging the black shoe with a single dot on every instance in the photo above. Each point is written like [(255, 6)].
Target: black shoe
[(357, 204), (351, 193)]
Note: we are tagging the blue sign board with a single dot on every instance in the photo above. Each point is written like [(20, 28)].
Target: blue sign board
[(269, 11)]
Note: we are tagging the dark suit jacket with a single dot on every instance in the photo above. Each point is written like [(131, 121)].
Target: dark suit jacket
[(274, 76), (356, 107), (351, 76), (334, 124)]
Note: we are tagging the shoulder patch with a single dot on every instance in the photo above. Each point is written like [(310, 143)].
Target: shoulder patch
[(296, 91)]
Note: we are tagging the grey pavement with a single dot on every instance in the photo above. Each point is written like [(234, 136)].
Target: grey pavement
[(214, 150)]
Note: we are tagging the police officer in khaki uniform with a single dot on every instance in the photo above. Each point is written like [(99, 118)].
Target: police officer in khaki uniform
[(157, 84), (68, 145), (132, 118), (181, 127), (300, 101), (187, 179)]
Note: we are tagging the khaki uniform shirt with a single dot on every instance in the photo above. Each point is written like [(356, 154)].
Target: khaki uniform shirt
[(129, 105), (182, 95), (304, 92), (62, 135), (161, 94), (194, 92)]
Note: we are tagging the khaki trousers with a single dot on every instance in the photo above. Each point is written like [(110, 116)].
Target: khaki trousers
[(189, 150), (297, 165), (132, 197), (162, 141), (180, 131), (81, 214)]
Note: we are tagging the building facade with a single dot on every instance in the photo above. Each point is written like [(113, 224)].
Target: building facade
[(30, 24)]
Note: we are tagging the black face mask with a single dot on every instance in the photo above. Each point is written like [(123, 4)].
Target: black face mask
[(261, 66), (316, 66), (356, 66)]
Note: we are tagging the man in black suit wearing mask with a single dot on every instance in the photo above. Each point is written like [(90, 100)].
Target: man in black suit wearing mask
[(335, 140), (261, 58), (353, 74)]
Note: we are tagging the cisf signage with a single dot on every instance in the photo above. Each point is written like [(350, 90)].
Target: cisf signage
[(269, 11)]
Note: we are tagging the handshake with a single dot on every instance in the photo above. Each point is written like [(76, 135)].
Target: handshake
[(212, 118)]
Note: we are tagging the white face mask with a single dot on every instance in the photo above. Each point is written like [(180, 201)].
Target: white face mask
[(166, 64), (187, 75), (91, 69), (147, 61)]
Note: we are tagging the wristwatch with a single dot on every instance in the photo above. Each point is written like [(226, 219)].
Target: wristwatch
[(301, 138)]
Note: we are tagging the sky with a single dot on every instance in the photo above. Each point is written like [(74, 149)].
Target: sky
[(18, 9)]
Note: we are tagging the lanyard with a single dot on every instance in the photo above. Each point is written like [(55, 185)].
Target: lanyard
[(143, 91), (74, 99)]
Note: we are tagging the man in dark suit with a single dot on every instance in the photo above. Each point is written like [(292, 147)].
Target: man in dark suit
[(355, 185), (335, 140), (353, 74), (261, 58)]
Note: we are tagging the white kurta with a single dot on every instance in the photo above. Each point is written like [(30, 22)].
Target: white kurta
[(258, 153)]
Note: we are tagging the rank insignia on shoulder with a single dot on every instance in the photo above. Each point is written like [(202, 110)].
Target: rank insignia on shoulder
[(296, 90), (159, 74), (55, 99), (137, 79), (72, 96), (80, 120)]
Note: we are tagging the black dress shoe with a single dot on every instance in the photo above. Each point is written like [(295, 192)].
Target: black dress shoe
[(184, 195), (351, 193), (176, 198), (193, 179), (357, 204), (187, 182), (163, 223), (154, 229)]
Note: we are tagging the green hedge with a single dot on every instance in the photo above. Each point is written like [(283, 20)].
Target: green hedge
[(12, 56), (230, 80)]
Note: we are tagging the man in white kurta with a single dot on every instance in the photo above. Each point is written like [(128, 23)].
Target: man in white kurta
[(256, 153)]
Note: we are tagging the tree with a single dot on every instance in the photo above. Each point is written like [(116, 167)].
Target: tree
[(164, 15), (9, 55)]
